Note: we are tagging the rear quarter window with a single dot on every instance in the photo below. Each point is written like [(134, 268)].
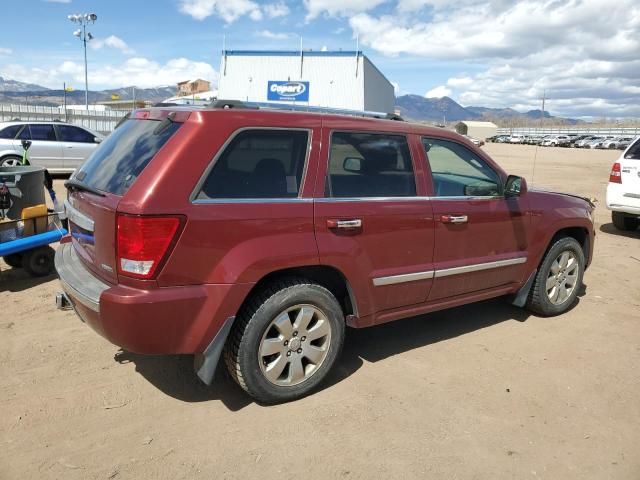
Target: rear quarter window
[(124, 154), (633, 152)]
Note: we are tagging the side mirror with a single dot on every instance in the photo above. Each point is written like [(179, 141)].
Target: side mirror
[(515, 186), (97, 139), (352, 164), (26, 144)]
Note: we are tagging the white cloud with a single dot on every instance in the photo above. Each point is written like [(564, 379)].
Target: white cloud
[(335, 8), (273, 10), (586, 61), (273, 35), (112, 42), (58, 1), (228, 10), (438, 92), (396, 88), (137, 71), (5, 51)]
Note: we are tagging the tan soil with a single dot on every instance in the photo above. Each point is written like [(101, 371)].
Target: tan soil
[(485, 391)]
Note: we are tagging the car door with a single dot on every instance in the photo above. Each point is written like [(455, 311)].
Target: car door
[(480, 236), (373, 221), (77, 144), (45, 149)]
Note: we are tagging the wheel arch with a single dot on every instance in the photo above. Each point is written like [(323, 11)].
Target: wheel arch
[(579, 234), (327, 276)]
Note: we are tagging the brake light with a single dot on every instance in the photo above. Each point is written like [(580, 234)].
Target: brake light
[(143, 243), (615, 176)]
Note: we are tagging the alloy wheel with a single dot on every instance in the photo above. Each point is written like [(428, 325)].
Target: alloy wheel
[(294, 345), (562, 278)]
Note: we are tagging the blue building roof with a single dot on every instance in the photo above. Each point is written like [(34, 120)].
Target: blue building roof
[(289, 53)]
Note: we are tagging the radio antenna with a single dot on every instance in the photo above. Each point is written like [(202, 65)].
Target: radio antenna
[(535, 154)]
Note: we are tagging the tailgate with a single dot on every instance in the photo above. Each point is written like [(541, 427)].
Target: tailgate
[(92, 224), (630, 170)]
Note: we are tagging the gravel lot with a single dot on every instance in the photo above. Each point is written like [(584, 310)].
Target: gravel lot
[(486, 391)]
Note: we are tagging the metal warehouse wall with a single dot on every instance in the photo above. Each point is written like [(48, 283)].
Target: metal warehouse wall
[(336, 79), (379, 94)]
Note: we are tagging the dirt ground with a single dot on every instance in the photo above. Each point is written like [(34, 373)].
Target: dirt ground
[(486, 391)]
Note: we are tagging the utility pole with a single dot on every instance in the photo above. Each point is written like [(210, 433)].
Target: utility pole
[(84, 36)]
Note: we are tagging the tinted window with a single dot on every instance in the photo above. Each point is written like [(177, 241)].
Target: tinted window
[(370, 165), (25, 134), (10, 132), (259, 164), (634, 151), (69, 133), (123, 155), (42, 132), (458, 172)]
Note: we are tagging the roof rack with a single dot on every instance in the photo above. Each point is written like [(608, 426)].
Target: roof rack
[(229, 104)]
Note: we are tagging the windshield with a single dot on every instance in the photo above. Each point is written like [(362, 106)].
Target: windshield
[(124, 154)]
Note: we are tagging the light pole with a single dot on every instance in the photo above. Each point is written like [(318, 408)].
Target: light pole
[(82, 34)]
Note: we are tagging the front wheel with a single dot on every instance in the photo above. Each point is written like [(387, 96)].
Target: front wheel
[(14, 260), (559, 278), (285, 341)]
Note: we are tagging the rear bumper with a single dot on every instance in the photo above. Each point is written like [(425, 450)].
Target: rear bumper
[(620, 200), (166, 320)]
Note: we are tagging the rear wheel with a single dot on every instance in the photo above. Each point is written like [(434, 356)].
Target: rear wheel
[(11, 161), (559, 278), (624, 222), (14, 260), (39, 261), (285, 341)]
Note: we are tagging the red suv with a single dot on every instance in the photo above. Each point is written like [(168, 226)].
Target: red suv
[(257, 236)]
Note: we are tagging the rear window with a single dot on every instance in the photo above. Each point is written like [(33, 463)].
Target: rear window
[(634, 151), (124, 154)]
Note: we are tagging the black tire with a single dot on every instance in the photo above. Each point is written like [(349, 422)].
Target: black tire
[(539, 301), (14, 260), (624, 222), (10, 158), (255, 321), (39, 261)]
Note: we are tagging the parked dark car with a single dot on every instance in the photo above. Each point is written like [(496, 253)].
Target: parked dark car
[(257, 236)]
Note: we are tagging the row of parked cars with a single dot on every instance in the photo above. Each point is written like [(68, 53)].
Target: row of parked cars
[(568, 140)]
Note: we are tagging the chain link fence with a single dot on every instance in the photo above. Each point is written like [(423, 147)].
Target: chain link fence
[(99, 121)]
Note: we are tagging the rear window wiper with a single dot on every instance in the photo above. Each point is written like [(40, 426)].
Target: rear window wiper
[(73, 184)]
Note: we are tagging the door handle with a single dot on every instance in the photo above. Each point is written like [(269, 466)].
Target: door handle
[(346, 224), (454, 219)]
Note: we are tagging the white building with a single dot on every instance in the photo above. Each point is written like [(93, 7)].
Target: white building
[(335, 79), (480, 130)]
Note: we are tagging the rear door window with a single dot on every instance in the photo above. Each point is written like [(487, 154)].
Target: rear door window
[(370, 165), (42, 132), (124, 154), (258, 163), (10, 132)]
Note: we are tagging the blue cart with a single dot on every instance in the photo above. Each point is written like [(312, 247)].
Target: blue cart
[(26, 243)]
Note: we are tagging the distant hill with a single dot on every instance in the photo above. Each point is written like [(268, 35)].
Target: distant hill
[(416, 107), (13, 91)]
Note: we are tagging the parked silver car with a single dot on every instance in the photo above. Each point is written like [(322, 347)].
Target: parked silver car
[(59, 147)]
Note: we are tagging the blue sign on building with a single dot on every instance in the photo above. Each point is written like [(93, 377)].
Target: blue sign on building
[(290, 91)]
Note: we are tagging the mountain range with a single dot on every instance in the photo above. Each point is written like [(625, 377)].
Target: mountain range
[(412, 107)]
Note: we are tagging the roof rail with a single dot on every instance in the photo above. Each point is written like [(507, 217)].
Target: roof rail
[(228, 104)]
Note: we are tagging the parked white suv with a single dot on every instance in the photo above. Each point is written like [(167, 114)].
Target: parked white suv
[(556, 141), (59, 147), (623, 191)]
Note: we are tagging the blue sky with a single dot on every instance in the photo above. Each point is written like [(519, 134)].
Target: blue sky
[(493, 53)]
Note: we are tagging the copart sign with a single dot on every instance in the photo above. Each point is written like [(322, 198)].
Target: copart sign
[(289, 91)]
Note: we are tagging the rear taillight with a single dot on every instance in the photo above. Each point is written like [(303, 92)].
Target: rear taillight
[(143, 243), (615, 176)]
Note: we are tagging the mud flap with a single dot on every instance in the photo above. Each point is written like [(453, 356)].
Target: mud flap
[(205, 364), (520, 298)]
